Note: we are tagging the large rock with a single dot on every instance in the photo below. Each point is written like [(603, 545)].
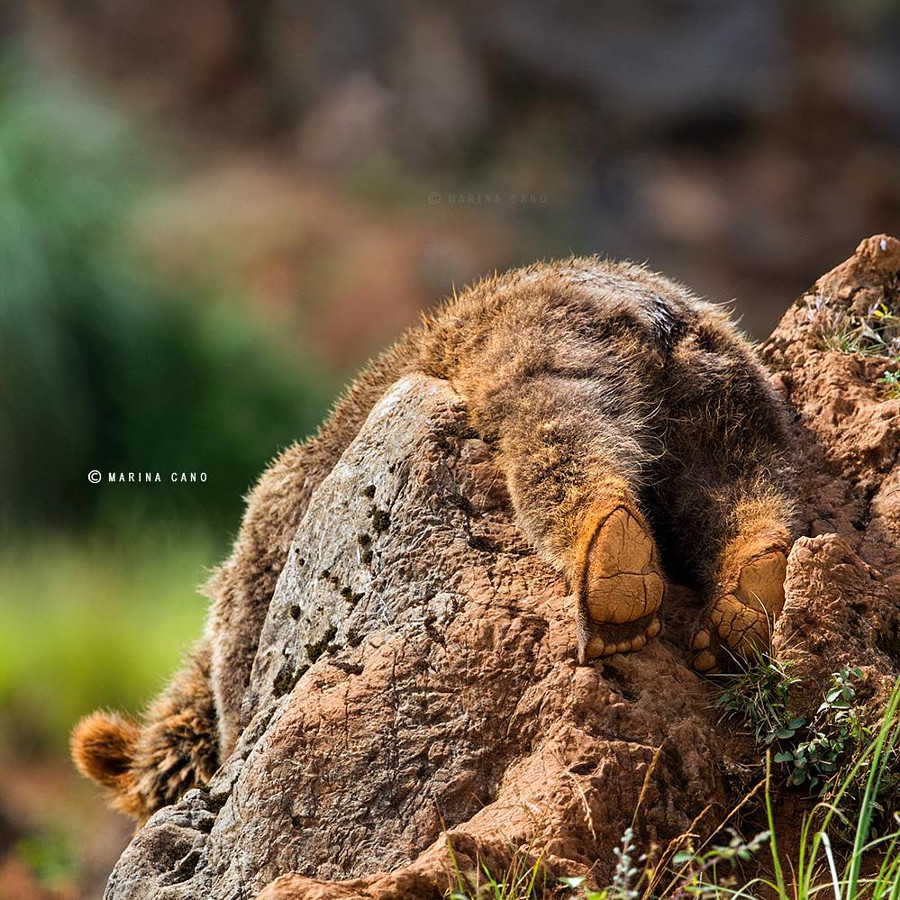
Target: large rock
[(416, 698), (843, 589)]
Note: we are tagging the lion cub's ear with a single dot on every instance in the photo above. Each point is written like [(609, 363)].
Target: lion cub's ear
[(102, 747)]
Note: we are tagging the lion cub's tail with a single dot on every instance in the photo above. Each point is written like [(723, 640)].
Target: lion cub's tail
[(145, 766), (103, 748)]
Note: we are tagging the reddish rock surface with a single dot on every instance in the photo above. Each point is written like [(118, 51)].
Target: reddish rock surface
[(416, 686), (843, 587)]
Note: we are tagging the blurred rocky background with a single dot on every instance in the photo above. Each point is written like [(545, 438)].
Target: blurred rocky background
[(212, 212)]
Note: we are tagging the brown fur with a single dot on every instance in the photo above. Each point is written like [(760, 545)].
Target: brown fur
[(599, 384), (103, 747), (146, 768)]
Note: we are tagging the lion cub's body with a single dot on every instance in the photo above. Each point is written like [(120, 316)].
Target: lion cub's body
[(640, 440)]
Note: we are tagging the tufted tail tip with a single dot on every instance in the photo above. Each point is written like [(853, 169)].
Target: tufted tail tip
[(102, 746)]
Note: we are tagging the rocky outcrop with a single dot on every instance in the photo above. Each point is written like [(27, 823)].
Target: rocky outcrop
[(843, 590), (416, 704)]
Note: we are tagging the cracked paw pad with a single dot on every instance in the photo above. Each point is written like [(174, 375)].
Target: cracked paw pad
[(741, 619), (623, 586)]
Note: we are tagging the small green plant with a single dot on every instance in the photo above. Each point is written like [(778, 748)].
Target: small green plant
[(834, 735), (686, 873), (815, 869), (759, 695), (818, 755), (700, 868), (844, 878), (814, 753), (626, 874), (890, 383)]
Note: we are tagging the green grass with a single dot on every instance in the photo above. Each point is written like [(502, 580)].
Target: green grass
[(759, 695), (818, 869), (524, 879), (876, 333), (90, 622)]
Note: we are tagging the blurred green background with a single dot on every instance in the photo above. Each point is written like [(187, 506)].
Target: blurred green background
[(210, 216), (108, 364)]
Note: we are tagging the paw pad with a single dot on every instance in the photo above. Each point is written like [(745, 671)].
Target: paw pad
[(739, 620), (622, 587)]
